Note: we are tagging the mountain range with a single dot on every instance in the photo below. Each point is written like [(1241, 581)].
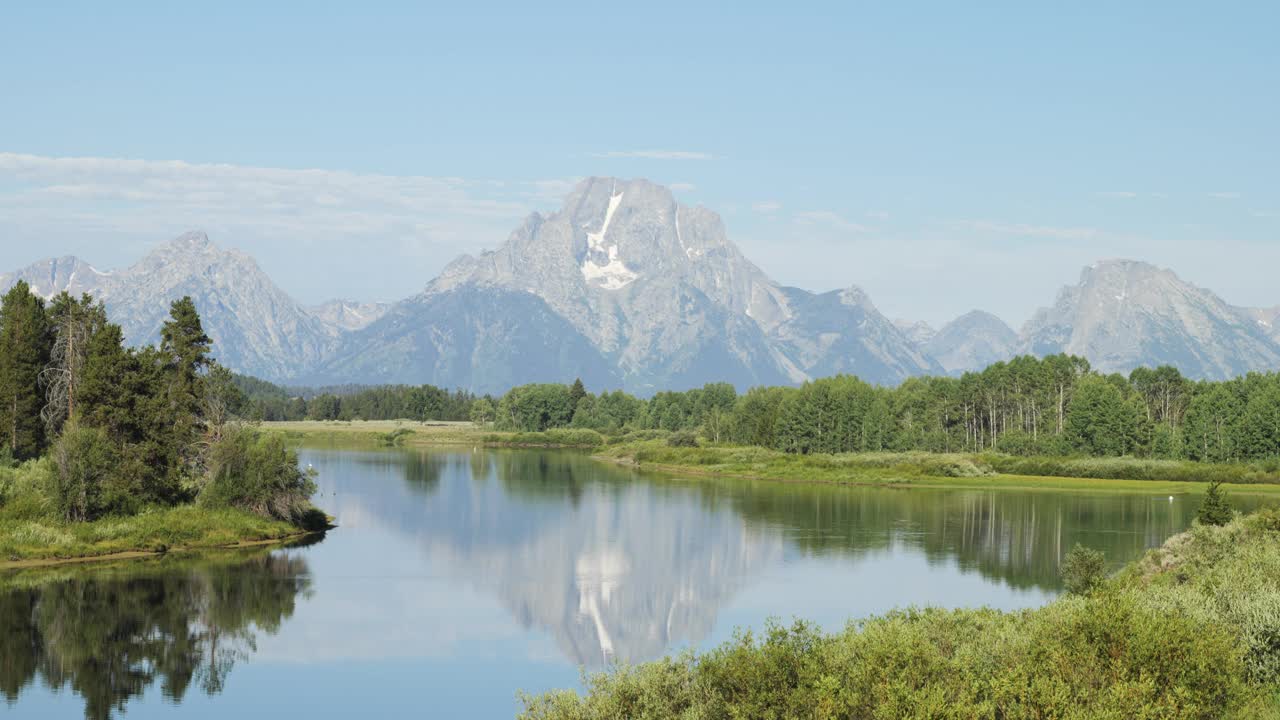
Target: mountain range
[(626, 287)]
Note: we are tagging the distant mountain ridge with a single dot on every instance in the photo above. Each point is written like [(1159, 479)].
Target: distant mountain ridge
[(626, 287)]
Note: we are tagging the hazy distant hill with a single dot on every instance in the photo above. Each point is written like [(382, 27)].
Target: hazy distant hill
[(257, 328), (971, 342)]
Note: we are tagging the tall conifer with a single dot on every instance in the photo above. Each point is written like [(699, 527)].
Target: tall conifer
[(24, 352)]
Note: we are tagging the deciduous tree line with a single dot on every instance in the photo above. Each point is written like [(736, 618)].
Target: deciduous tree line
[(267, 401), (1055, 405)]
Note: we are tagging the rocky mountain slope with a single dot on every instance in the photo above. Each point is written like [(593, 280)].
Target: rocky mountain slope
[(349, 314), (256, 327), (659, 292), (1123, 314), (55, 275), (626, 287)]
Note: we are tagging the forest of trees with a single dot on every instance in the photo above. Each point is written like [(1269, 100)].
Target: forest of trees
[(127, 428), (267, 401), (1055, 405)]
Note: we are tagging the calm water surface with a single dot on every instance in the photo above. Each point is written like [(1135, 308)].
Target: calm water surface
[(456, 579)]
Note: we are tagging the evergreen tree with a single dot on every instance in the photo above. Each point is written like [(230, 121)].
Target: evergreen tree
[(185, 349), (24, 352), (73, 323), (577, 391), (108, 389), (1214, 508)]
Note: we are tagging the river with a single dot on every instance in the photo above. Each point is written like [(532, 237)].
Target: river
[(456, 579)]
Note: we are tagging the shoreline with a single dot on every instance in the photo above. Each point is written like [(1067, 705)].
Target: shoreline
[(999, 481), (798, 469), (140, 554)]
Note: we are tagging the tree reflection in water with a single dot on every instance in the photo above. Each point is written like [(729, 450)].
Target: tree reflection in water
[(110, 633)]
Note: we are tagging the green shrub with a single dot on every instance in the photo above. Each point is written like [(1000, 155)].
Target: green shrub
[(257, 473), (1083, 570), (683, 439), (395, 438), (84, 460)]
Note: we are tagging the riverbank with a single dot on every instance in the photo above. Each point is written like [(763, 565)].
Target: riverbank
[(410, 433), (1186, 632), (36, 541), (953, 470), (926, 469)]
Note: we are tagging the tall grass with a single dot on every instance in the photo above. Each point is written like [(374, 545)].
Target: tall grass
[(1130, 468), (184, 527), (887, 466)]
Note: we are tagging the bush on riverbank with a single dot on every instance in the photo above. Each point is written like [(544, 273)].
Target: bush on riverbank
[(1188, 632), (258, 474)]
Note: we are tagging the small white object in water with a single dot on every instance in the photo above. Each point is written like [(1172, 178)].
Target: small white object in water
[(1170, 498)]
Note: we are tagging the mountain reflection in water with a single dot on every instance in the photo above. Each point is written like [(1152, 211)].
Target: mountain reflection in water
[(620, 566)]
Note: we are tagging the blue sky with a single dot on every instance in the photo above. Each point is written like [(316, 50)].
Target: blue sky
[(942, 156)]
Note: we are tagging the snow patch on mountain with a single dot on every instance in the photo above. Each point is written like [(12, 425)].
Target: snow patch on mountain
[(612, 274)]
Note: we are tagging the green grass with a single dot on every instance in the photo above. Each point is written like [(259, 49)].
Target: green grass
[(565, 438), (186, 527), (1190, 631), (410, 433), (940, 469), (30, 531), (357, 434)]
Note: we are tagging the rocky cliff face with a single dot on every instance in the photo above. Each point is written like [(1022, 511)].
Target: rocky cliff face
[(1123, 314), (349, 315), (65, 274), (658, 289)]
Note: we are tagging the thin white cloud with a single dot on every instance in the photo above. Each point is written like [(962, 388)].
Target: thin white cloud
[(655, 155), (112, 209), (830, 219), (682, 187), (995, 227), (128, 192), (878, 215), (1119, 194), (1224, 195), (767, 207)]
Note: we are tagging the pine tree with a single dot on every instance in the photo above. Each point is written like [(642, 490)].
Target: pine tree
[(24, 352), (73, 323), (1214, 508), (576, 392), (186, 352), (108, 386)]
